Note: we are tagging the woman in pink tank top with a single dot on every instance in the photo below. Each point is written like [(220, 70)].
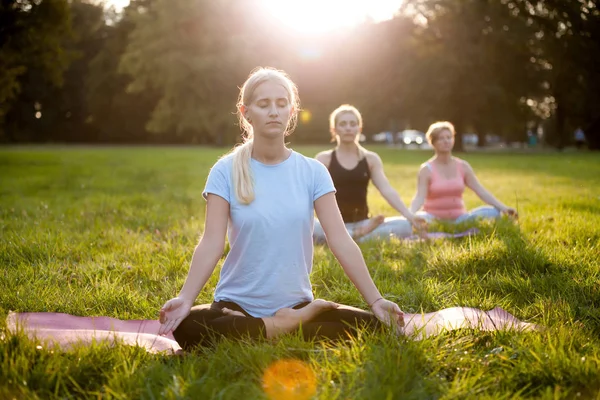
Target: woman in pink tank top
[(442, 181)]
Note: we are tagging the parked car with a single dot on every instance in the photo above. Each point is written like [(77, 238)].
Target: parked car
[(383, 137), (470, 139), (411, 136)]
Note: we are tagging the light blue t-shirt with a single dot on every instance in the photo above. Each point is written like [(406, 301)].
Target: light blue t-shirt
[(271, 245)]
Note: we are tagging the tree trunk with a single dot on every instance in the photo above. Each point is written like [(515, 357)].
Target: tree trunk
[(480, 137), (458, 143), (592, 134)]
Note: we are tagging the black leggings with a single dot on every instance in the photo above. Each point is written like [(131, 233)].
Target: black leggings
[(207, 323)]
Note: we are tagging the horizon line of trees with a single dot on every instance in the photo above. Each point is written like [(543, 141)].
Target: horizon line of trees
[(168, 71)]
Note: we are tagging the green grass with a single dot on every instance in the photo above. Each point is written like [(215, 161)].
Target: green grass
[(110, 231)]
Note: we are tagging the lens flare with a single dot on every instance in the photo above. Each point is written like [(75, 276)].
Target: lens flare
[(289, 380), (305, 116)]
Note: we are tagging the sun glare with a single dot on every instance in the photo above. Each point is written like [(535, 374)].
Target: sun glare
[(318, 16), (117, 4)]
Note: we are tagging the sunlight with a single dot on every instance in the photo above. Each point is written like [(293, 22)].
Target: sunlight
[(117, 4), (318, 16)]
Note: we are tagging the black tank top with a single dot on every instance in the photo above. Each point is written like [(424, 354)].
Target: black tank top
[(351, 188)]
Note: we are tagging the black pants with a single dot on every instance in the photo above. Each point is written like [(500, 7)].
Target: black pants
[(206, 324)]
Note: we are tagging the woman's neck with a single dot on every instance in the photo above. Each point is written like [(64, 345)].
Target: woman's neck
[(269, 151), (443, 158), (347, 148)]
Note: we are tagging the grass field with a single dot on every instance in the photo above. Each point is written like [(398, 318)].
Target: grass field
[(110, 231)]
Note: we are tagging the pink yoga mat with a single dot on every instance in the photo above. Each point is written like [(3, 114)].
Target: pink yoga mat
[(65, 331)]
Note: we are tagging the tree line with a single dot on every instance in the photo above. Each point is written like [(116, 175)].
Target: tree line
[(168, 71)]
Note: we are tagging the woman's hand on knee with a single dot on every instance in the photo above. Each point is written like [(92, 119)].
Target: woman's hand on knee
[(510, 212), (172, 313), (420, 225), (388, 312)]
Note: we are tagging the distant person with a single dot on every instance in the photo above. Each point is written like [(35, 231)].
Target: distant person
[(442, 181), (531, 139), (352, 167), (579, 138), (389, 136)]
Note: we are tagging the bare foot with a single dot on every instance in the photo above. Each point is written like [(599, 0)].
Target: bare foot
[(232, 313), (368, 227), (308, 312), (287, 319)]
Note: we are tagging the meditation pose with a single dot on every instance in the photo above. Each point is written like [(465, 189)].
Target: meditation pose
[(352, 167), (263, 196), (442, 181)]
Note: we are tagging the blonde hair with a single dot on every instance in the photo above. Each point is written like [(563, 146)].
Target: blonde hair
[(243, 182), (343, 109), (436, 128), (333, 119)]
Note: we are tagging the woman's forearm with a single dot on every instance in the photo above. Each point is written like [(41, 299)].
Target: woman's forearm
[(489, 198), (394, 200), (416, 204), (205, 258)]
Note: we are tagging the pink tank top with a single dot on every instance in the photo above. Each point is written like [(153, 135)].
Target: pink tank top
[(445, 196)]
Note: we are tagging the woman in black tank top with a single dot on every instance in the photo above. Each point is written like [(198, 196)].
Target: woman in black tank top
[(351, 168), (351, 188)]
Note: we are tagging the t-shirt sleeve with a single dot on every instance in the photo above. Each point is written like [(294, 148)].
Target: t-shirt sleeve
[(218, 181), (323, 182)]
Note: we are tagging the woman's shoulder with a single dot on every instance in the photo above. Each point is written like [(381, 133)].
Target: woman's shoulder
[(310, 161), (324, 157), (464, 168), (461, 162), (372, 157), (225, 161), (326, 154), (427, 165), (426, 168)]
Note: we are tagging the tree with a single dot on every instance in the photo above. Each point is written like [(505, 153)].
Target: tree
[(474, 73), (566, 49), (113, 114), (193, 54), (31, 37)]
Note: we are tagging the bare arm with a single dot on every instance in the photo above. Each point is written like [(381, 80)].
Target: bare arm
[(485, 195), (324, 158), (350, 257), (422, 189), (344, 248), (382, 184), (205, 258), (209, 249)]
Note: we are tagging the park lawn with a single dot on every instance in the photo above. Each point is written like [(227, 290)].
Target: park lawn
[(110, 231)]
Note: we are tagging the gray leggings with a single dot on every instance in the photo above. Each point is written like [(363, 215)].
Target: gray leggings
[(476, 213), (397, 227)]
